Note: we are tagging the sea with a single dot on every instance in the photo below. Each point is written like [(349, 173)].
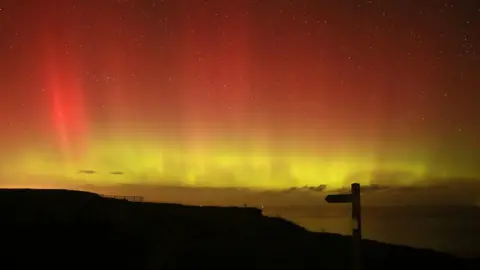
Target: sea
[(451, 229)]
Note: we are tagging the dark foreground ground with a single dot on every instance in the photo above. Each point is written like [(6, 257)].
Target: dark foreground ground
[(55, 229)]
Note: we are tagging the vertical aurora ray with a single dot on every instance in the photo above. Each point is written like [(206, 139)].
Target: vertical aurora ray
[(68, 116), (62, 73)]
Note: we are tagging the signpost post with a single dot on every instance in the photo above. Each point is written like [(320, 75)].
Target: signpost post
[(354, 199)]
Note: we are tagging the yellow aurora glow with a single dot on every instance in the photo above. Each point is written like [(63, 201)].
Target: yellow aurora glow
[(212, 166)]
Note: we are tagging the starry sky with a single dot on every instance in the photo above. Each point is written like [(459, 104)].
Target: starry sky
[(257, 93)]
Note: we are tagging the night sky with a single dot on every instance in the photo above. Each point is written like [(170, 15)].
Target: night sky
[(266, 93)]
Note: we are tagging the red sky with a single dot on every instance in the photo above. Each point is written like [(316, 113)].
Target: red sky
[(341, 86)]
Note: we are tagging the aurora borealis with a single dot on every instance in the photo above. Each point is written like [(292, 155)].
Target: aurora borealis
[(266, 93)]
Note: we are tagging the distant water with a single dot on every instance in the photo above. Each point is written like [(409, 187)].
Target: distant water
[(452, 229)]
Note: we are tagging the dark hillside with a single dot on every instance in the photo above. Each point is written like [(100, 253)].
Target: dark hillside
[(72, 229)]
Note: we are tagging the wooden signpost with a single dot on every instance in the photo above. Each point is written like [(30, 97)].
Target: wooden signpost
[(354, 199)]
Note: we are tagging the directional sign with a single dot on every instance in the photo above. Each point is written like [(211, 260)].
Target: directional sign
[(339, 198), (353, 198)]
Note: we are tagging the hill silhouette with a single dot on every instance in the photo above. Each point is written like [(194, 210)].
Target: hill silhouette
[(81, 230)]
